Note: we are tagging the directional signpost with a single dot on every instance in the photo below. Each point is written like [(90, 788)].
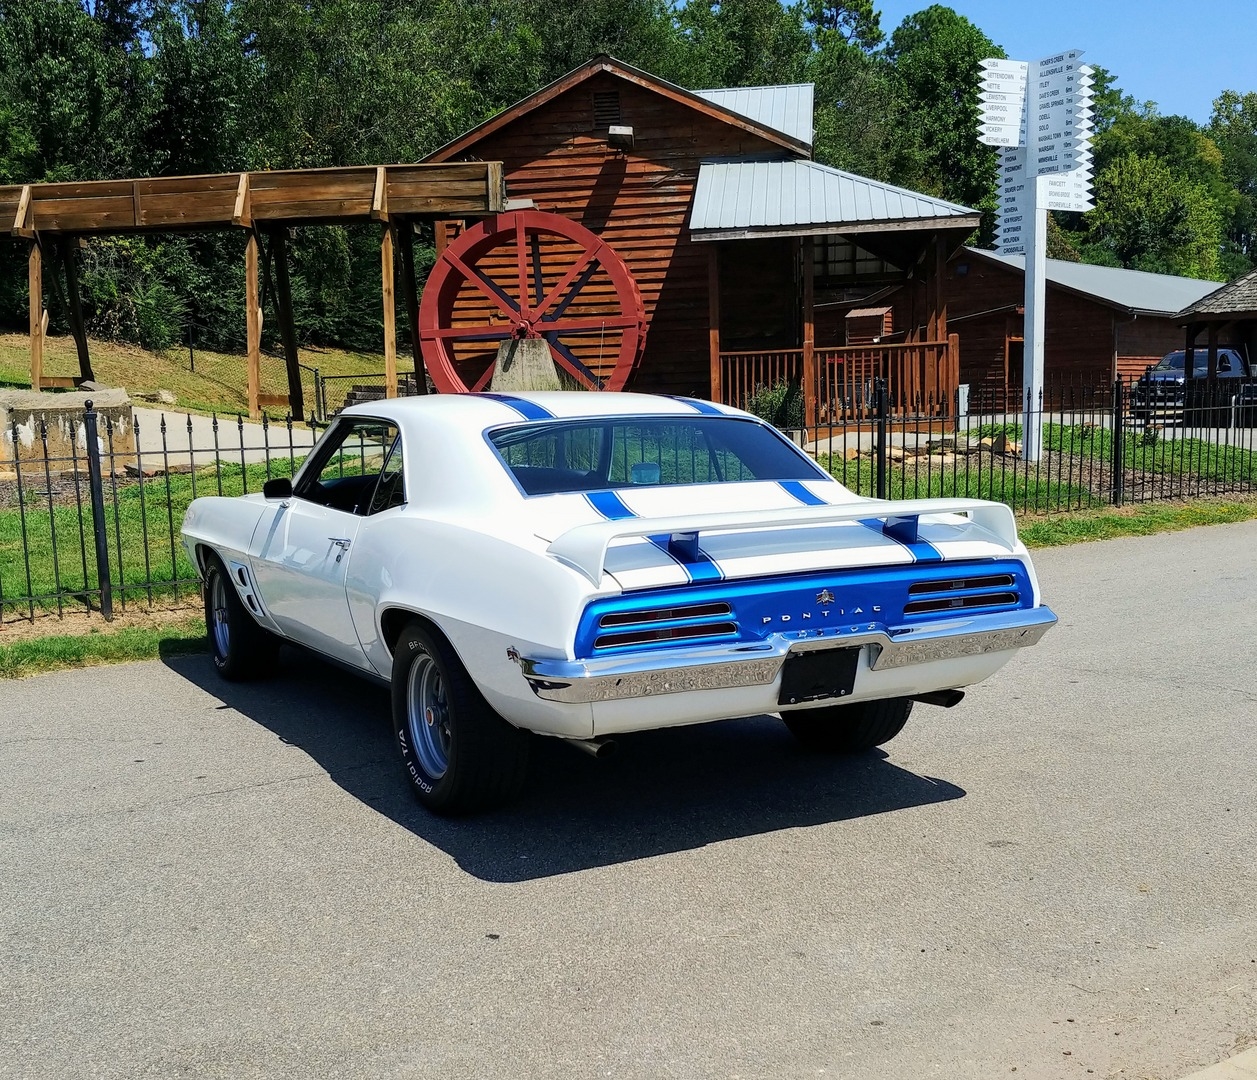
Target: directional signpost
[(1039, 114)]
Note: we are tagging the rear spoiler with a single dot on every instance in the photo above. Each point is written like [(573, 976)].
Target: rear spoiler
[(584, 548)]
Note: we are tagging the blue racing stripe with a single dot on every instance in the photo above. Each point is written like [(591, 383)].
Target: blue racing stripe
[(529, 410), (806, 497), (609, 505), (705, 407), (699, 570), (922, 550)]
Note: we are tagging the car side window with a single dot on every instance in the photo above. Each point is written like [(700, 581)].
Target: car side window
[(390, 489), (347, 471)]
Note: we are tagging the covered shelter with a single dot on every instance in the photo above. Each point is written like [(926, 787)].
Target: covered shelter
[(51, 219), (732, 235), (1228, 316)]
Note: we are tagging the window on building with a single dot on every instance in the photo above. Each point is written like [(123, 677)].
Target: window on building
[(838, 260)]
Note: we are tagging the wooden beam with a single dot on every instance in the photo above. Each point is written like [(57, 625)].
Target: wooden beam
[(69, 249), (713, 320), (242, 211), (253, 323), (22, 219), (379, 197), (940, 275), (390, 312), (810, 380), (35, 280), (410, 293), (287, 325)]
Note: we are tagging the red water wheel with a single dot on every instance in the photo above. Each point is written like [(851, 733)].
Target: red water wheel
[(529, 274)]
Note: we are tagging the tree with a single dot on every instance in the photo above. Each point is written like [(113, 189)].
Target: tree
[(1233, 128), (1150, 217), (936, 56)]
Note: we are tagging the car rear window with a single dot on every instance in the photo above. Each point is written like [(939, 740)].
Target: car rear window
[(590, 455)]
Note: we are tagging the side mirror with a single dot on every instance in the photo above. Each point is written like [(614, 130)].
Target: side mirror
[(278, 488)]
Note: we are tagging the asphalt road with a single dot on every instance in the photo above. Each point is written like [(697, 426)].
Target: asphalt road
[(1057, 877)]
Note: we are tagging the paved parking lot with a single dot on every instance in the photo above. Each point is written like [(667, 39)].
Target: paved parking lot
[(1057, 877)]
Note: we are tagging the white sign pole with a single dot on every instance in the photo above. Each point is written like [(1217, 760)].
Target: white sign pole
[(1034, 322)]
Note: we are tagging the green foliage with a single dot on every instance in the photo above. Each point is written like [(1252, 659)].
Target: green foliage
[(1151, 217), (780, 404), (92, 89), (936, 56)]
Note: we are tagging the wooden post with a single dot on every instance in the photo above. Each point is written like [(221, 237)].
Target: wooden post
[(287, 326), (410, 293), (809, 333), (35, 277), (253, 323), (70, 263), (390, 312), (1212, 371), (940, 274), (713, 319)]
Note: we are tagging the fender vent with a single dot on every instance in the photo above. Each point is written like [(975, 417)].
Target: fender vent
[(687, 622), (962, 594)]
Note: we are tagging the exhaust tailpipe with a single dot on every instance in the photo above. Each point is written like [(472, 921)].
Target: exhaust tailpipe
[(944, 698), (595, 748)]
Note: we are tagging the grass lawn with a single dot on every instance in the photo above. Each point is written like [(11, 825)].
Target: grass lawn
[(214, 382)]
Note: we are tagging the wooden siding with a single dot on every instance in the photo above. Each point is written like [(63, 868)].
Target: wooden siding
[(1085, 340), (638, 201)]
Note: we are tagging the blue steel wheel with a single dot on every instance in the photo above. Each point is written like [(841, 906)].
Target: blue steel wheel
[(460, 756), (239, 647), (428, 715)]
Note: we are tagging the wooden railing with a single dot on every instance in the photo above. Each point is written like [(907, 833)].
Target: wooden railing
[(921, 378)]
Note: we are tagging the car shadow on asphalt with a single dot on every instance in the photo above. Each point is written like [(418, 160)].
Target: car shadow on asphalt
[(662, 792)]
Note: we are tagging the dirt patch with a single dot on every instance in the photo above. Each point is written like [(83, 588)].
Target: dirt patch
[(79, 623)]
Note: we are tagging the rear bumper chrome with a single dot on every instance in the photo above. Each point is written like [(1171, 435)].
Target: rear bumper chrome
[(675, 671)]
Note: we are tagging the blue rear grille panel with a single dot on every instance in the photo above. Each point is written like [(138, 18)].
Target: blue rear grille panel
[(815, 604)]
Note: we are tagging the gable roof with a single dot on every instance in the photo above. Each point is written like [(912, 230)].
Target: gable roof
[(1135, 292), (1238, 297), (786, 108), (716, 109), (780, 198)]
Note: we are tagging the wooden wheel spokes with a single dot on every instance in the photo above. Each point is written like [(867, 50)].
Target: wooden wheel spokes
[(529, 274)]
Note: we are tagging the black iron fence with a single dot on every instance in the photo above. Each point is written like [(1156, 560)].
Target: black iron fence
[(1101, 445), (90, 511)]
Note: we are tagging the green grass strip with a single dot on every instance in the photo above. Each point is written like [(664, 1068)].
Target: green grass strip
[(1141, 520), (34, 656)]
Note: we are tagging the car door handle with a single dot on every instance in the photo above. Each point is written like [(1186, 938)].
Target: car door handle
[(341, 542)]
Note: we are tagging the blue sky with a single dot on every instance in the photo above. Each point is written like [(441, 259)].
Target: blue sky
[(1180, 55)]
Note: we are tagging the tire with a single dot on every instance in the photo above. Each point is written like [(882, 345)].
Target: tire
[(460, 756), (849, 729), (239, 647)]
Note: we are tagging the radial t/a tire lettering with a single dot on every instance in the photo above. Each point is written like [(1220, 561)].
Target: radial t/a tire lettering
[(239, 647), (848, 729), (460, 756)]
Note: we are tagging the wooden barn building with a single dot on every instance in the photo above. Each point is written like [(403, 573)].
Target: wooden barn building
[(1101, 322), (732, 236)]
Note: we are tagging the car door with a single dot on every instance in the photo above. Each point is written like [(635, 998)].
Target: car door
[(303, 553)]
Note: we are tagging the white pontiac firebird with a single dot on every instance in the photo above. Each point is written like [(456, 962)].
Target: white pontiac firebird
[(585, 564)]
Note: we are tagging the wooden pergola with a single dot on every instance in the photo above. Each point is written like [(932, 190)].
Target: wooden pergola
[(56, 216)]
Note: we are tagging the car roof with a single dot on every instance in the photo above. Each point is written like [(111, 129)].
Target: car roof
[(488, 409)]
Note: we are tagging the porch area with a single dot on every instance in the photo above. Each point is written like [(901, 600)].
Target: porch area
[(799, 258)]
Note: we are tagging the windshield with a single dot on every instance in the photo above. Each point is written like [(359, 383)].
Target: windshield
[(635, 451), (1174, 362)]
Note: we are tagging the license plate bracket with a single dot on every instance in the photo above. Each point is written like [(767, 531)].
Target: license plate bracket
[(818, 676)]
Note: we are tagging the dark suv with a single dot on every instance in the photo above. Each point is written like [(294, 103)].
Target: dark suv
[(1161, 392)]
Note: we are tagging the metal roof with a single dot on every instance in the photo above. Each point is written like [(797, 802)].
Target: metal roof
[(737, 197), (787, 109), (1238, 297), (1136, 291)]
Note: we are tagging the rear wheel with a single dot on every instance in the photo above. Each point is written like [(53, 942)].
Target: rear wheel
[(848, 729), (240, 648), (459, 754)]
